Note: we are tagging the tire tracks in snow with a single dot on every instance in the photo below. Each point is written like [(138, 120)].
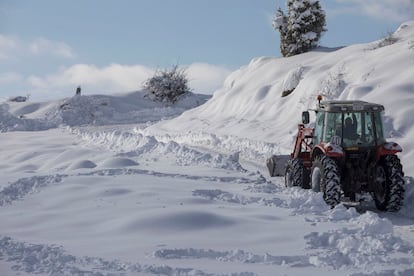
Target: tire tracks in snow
[(299, 201), (237, 256), (20, 188), (54, 260), (367, 242), (29, 185)]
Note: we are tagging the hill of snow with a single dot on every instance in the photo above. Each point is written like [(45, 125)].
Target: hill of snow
[(250, 104), (129, 108)]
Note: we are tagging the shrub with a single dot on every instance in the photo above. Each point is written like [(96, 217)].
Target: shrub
[(388, 40), (167, 85)]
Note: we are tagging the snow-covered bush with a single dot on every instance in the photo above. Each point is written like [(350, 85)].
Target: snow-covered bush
[(301, 28), (167, 85), (389, 39)]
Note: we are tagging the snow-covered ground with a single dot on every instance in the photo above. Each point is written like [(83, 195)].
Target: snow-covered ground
[(99, 185)]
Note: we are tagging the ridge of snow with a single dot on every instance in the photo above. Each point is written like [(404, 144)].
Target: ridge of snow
[(129, 108)]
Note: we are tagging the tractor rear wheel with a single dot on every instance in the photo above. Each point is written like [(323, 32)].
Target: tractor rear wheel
[(295, 173), (388, 191), (325, 178)]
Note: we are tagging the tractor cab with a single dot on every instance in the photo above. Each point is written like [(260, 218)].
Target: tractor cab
[(352, 124)]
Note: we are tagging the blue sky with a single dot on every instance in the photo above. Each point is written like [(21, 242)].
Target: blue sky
[(48, 47)]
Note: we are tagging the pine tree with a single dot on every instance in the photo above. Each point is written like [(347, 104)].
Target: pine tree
[(301, 28)]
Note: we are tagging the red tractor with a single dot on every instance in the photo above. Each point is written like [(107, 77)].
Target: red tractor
[(343, 155)]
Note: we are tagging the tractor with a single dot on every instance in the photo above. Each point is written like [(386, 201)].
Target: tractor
[(344, 155)]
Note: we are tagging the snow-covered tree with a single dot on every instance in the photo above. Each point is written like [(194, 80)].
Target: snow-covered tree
[(167, 85), (301, 28)]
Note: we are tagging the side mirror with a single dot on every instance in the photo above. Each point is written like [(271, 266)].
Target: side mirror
[(305, 117)]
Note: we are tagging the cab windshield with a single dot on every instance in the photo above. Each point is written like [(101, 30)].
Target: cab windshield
[(356, 129)]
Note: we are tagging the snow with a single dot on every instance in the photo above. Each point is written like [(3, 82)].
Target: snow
[(121, 185)]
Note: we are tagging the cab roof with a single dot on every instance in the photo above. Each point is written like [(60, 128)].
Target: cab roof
[(349, 106)]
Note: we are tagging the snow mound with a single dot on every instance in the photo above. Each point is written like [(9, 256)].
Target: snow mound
[(340, 212), (306, 201), (118, 163), (82, 164), (370, 223)]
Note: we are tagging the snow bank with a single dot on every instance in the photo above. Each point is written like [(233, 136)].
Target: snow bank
[(248, 149), (252, 103), (135, 144)]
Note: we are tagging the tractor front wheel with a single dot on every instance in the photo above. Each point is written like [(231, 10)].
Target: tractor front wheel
[(295, 173), (325, 178)]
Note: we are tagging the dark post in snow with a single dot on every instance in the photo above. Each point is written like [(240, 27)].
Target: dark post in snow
[(78, 91)]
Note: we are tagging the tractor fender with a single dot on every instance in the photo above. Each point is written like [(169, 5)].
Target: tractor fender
[(388, 148), (317, 150), (328, 149)]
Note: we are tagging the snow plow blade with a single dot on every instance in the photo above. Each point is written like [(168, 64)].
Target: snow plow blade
[(277, 164)]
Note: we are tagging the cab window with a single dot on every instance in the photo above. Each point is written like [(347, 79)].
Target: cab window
[(358, 129), (379, 128), (333, 126), (320, 118)]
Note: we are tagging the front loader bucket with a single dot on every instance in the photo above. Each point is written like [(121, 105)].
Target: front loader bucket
[(277, 164)]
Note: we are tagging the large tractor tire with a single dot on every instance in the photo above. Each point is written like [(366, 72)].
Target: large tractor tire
[(296, 174), (389, 191), (325, 178)]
